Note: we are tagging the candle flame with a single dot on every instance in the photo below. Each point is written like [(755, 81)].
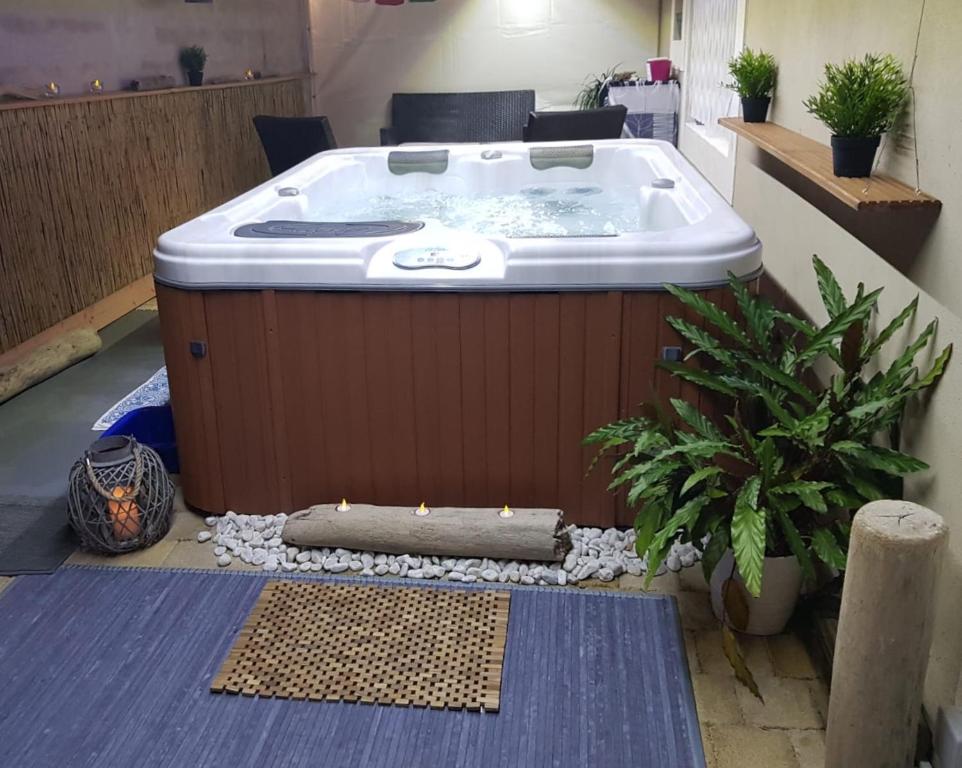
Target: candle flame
[(343, 502), (506, 512), (422, 508)]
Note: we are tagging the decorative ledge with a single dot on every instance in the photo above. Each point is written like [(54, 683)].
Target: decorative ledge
[(109, 95), (814, 161)]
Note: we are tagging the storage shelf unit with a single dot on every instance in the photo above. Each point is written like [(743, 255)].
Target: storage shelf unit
[(814, 161)]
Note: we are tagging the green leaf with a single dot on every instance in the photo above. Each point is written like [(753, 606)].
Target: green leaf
[(647, 523), (759, 314), (823, 341), (702, 340), (886, 333), (748, 535), (697, 420), (795, 543), (699, 377), (882, 459), (783, 379), (828, 550), (809, 492), (828, 287), (698, 476), (935, 372), (683, 518), (711, 312), (901, 369), (713, 553), (868, 409)]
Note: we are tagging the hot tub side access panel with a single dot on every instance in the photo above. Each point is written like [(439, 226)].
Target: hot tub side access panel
[(284, 399)]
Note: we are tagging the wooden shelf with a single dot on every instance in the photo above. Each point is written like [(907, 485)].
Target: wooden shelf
[(814, 161)]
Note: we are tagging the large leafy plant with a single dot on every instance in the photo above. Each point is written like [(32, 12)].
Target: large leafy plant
[(781, 471), (753, 74), (861, 98)]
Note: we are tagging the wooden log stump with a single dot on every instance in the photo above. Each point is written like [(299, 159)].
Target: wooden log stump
[(528, 534), (884, 632), (48, 360)]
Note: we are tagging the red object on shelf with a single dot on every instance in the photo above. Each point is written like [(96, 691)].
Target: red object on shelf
[(659, 70)]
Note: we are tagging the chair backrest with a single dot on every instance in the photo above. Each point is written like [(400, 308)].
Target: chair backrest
[(290, 140), (576, 125), (457, 117)]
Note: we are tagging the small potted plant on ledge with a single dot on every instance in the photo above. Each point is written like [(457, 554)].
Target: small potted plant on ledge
[(753, 79), (765, 480), (859, 101), (192, 60)]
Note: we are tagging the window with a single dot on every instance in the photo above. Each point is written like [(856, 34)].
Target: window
[(712, 41)]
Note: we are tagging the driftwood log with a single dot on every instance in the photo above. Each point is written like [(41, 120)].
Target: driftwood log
[(529, 534), (45, 361)]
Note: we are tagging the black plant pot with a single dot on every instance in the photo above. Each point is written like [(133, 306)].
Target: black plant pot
[(853, 157), (755, 110), (195, 77)]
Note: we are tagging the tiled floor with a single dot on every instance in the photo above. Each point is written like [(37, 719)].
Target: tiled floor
[(738, 731)]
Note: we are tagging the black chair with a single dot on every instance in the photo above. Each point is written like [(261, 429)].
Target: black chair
[(457, 117), (576, 125), (290, 140)]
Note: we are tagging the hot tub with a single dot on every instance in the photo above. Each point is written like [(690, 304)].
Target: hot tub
[(434, 323)]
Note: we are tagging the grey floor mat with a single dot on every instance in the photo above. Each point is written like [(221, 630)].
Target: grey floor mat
[(34, 535)]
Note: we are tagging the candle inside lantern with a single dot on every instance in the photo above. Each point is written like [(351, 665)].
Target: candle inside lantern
[(52, 89), (343, 506), (248, 74), (506, 512), (96, 86), (422, 510)]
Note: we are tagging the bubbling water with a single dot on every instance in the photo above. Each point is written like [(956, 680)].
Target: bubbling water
[(535, 211)]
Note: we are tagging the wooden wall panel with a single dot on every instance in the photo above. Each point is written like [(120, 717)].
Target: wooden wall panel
[(395, 398), (87, 185)]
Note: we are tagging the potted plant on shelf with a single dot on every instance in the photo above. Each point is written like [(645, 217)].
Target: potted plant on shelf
[(753, 78), (595, 89), (764, 481), (192, 60), (859, 101)]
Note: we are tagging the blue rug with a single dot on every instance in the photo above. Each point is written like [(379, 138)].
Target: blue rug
[(154, 391), (111, 667)]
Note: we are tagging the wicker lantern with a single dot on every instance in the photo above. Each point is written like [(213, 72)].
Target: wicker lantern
[(120, 496)]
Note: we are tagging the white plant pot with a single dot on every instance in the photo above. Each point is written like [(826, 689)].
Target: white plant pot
[(770, 611)]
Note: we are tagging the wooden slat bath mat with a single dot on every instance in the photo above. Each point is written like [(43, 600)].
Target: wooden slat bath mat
[(406, 646)]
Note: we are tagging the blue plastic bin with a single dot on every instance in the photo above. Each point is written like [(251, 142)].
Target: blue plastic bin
[(152, 425)]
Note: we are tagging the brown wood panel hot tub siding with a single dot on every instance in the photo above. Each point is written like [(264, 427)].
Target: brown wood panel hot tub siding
[(393, 398)]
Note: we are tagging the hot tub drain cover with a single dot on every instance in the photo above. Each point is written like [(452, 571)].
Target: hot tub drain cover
[(324, 229)]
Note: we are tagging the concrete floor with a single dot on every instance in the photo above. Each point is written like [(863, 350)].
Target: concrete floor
[(46, 428), (43, 430)]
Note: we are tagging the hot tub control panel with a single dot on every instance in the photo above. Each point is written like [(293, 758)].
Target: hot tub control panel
[(434, 257)]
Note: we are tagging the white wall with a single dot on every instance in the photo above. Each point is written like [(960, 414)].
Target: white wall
[(74, 41), (362, 52), (803, 35)]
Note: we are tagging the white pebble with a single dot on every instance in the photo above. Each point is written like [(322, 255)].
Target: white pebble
[(356, 565), (304, 567), (224, 560), (218, 551), (380, 569), (204, 536), (211, 521), (337, 567)]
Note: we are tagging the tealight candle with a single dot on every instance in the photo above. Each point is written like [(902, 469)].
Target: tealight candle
[(343, 506), (52, 89), (506, 512), (248, 74), (422, 511), (96, 86)]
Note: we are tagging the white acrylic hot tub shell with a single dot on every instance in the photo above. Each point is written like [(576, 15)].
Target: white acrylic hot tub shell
[(712, 241)]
